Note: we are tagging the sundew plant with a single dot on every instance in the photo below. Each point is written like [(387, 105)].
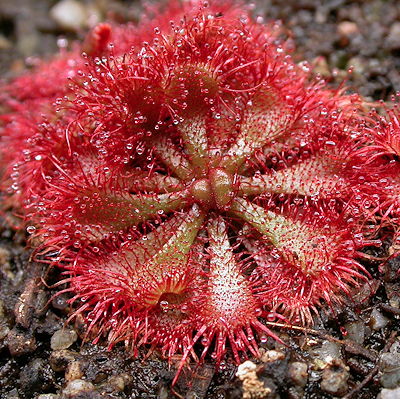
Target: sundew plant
[(193, 182)]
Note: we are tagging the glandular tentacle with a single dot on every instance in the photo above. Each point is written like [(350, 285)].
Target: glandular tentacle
[(265, 118), (194, 135), (319, 176), (302, 242), (172, 157), (153, 182)]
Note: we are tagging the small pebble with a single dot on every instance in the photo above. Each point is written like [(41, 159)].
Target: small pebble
[(63, 339), (59, 360), (393, 38), (358, 65), (117, 382), (321, 67), (298, 373), (347, 28), (48, 396), (335, 377), (5, 44), (389, 394), (355, 331), (70, 15), (389, 366), (73, 371), (253, 388), (60, 302), (325, 353), (272, 356), (36, 376), (30, 40), (20, 343), (245, 368), (377, 320), (77, 387)]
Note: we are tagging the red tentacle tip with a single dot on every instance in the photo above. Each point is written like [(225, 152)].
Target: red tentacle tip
[(97, 41)]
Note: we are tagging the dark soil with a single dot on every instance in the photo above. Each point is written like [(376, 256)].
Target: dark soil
[(351, 352)]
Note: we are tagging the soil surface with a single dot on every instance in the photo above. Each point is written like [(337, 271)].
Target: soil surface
[(352, 352)]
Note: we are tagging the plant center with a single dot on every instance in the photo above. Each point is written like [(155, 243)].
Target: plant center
[(215, 189)]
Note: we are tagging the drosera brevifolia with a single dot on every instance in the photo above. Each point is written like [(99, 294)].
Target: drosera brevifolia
[(192, 181)]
